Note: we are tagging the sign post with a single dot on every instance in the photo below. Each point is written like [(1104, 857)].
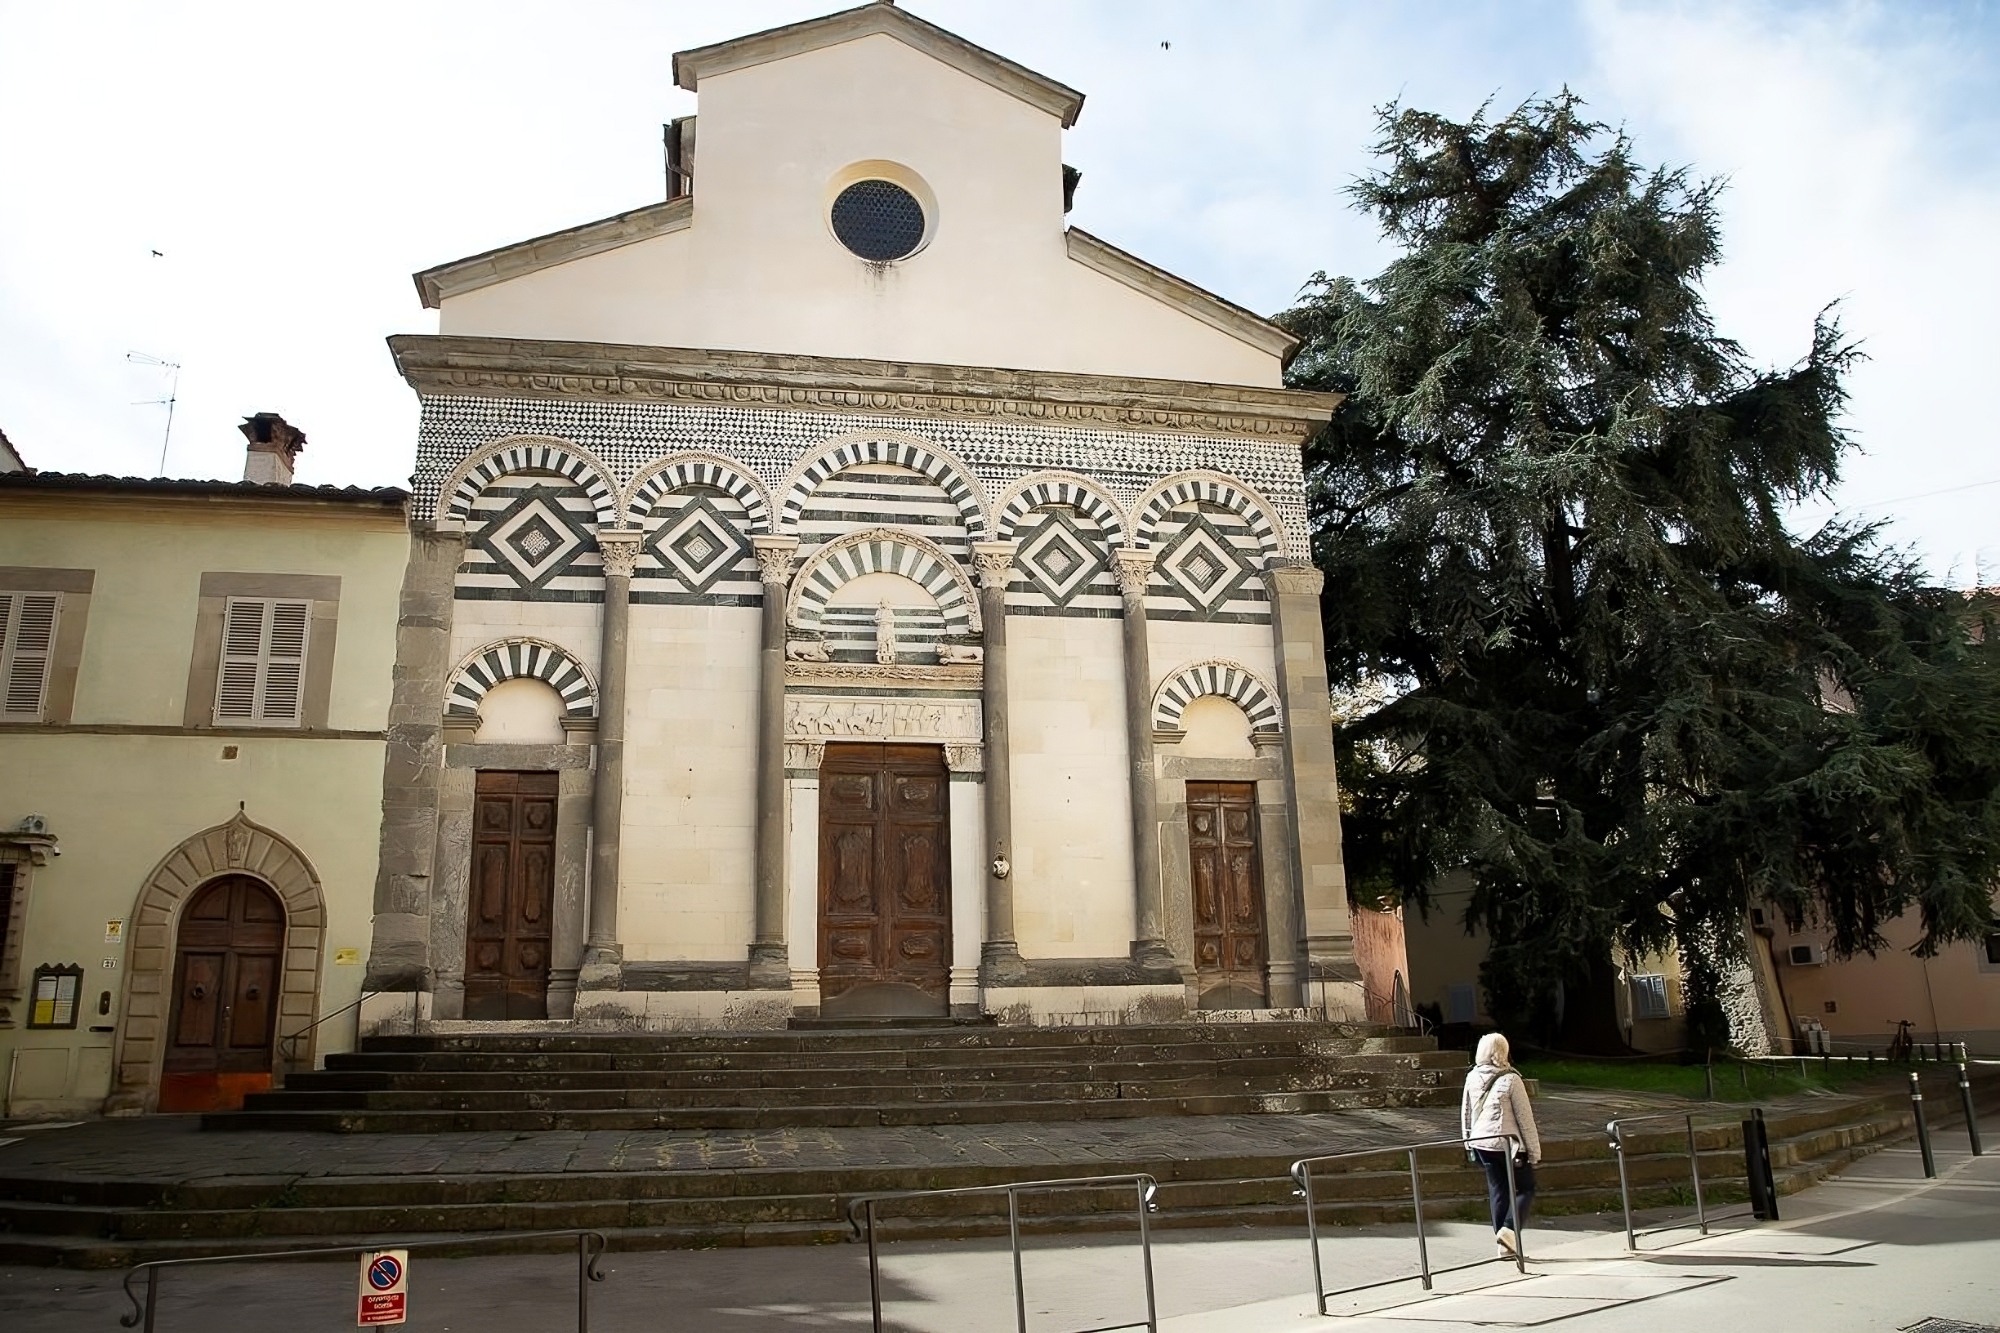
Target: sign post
[(385, 1276)]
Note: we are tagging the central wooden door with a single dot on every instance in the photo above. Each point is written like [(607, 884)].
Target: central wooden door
[(508, 929), (226, 975), (1229, 948), (884, 881)]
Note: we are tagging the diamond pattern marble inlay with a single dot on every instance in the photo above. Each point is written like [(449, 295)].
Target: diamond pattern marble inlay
[(1202, 566), (700, 545), (1060, 559), (535, 538)]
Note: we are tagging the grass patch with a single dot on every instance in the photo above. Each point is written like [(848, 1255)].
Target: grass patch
[(1750, 1081)]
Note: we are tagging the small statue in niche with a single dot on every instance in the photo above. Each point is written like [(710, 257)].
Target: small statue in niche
[(885, 635)]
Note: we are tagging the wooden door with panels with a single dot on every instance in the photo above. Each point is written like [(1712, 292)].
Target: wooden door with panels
[(1228, 879), (227, 967), (511, 904), (884, 881)]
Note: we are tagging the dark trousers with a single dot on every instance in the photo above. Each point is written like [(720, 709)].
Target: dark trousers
[(1496, 1189)]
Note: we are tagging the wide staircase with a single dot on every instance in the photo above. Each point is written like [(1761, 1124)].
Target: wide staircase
[(887, 1075), (100, 1221)]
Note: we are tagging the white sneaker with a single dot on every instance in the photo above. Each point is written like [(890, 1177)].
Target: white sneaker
[(1509, 1243)]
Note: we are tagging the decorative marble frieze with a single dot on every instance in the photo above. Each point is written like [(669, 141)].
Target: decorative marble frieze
[(860, 718)]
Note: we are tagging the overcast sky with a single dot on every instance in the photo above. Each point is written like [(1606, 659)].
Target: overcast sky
[(292, 165)]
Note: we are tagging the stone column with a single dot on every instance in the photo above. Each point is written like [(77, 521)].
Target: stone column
[(1149, 943), (999, 953), (1314, 790), (770, 965), (602, 953), (399, 955)]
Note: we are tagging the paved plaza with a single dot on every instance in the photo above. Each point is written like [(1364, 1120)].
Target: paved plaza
[(174, 1148), (1875, 1249)]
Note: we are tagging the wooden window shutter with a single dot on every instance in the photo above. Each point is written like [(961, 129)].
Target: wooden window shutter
[(262, 678), (27, 643)]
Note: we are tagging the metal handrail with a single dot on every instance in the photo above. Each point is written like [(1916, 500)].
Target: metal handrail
[(1616, 1129), (289, 1042), (587, 1255), (861, 1220), (1302, 1178)]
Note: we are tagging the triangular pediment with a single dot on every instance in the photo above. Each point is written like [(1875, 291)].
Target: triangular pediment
[(887, 20)]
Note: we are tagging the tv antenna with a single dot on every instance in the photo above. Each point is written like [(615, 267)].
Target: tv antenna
[(173, 369)]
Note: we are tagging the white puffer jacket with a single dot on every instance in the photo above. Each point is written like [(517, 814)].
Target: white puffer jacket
[(1494, 1108)]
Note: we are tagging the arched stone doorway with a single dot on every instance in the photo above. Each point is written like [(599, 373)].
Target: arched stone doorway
[(222, 1016), (238, 847)]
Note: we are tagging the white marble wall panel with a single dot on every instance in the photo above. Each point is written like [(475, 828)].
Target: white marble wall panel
[(1072, 831), (690, 783)]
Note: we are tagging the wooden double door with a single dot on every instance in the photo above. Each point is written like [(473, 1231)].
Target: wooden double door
[(1228, 881), (509, 929), (228, 963), (884, 881)]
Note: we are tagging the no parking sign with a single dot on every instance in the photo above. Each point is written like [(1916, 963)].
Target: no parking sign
[(385, 1276)]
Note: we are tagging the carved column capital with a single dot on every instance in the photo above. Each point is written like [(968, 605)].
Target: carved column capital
[(619, 548), (1299, 579), (995, 562), (1134, 567), (775, 557)]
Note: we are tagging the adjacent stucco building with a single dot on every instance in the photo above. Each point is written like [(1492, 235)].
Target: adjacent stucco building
[(196, 678), (844, 588)]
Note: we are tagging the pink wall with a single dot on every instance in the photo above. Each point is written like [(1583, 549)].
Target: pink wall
[(1380, 952), (1954, 996)]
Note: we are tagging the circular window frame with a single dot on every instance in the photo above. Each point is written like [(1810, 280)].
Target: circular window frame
[(895, 173)]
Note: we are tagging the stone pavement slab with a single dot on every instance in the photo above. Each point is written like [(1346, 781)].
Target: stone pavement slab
[(1875, 1251), (175, 1148)]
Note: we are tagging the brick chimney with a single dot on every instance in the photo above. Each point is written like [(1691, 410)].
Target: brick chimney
[(275, 445)]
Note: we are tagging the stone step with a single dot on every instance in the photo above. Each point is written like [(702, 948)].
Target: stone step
[(834, 1087), (502, 1058), (347, 1078), (899, 1039), (86, 1237), (362, 1121)]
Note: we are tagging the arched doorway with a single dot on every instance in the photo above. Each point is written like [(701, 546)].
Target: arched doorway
[(228, 959)]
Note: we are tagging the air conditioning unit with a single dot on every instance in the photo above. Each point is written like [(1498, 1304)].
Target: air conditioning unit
[(1806, 955)]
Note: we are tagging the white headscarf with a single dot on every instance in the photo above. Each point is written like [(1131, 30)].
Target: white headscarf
[(1493, 1050)]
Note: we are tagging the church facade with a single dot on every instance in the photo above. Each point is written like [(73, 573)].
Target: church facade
[(845, 589)]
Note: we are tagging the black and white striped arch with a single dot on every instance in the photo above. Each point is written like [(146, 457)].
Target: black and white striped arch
[(1230, 680), (519, 659)]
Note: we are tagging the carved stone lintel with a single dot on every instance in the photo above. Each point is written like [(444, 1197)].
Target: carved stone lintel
[(805, 754), (1134, 566), (775, 557), (1297, 578), (619, 548), (910, 719), (995, 562), (952, 675)]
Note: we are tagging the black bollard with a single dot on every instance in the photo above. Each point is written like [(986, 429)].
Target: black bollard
[(1923, 1130), (1757, 1168), (1971, 1111)]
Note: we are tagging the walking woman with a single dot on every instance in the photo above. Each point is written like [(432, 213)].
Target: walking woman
[(1494, 1114)]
